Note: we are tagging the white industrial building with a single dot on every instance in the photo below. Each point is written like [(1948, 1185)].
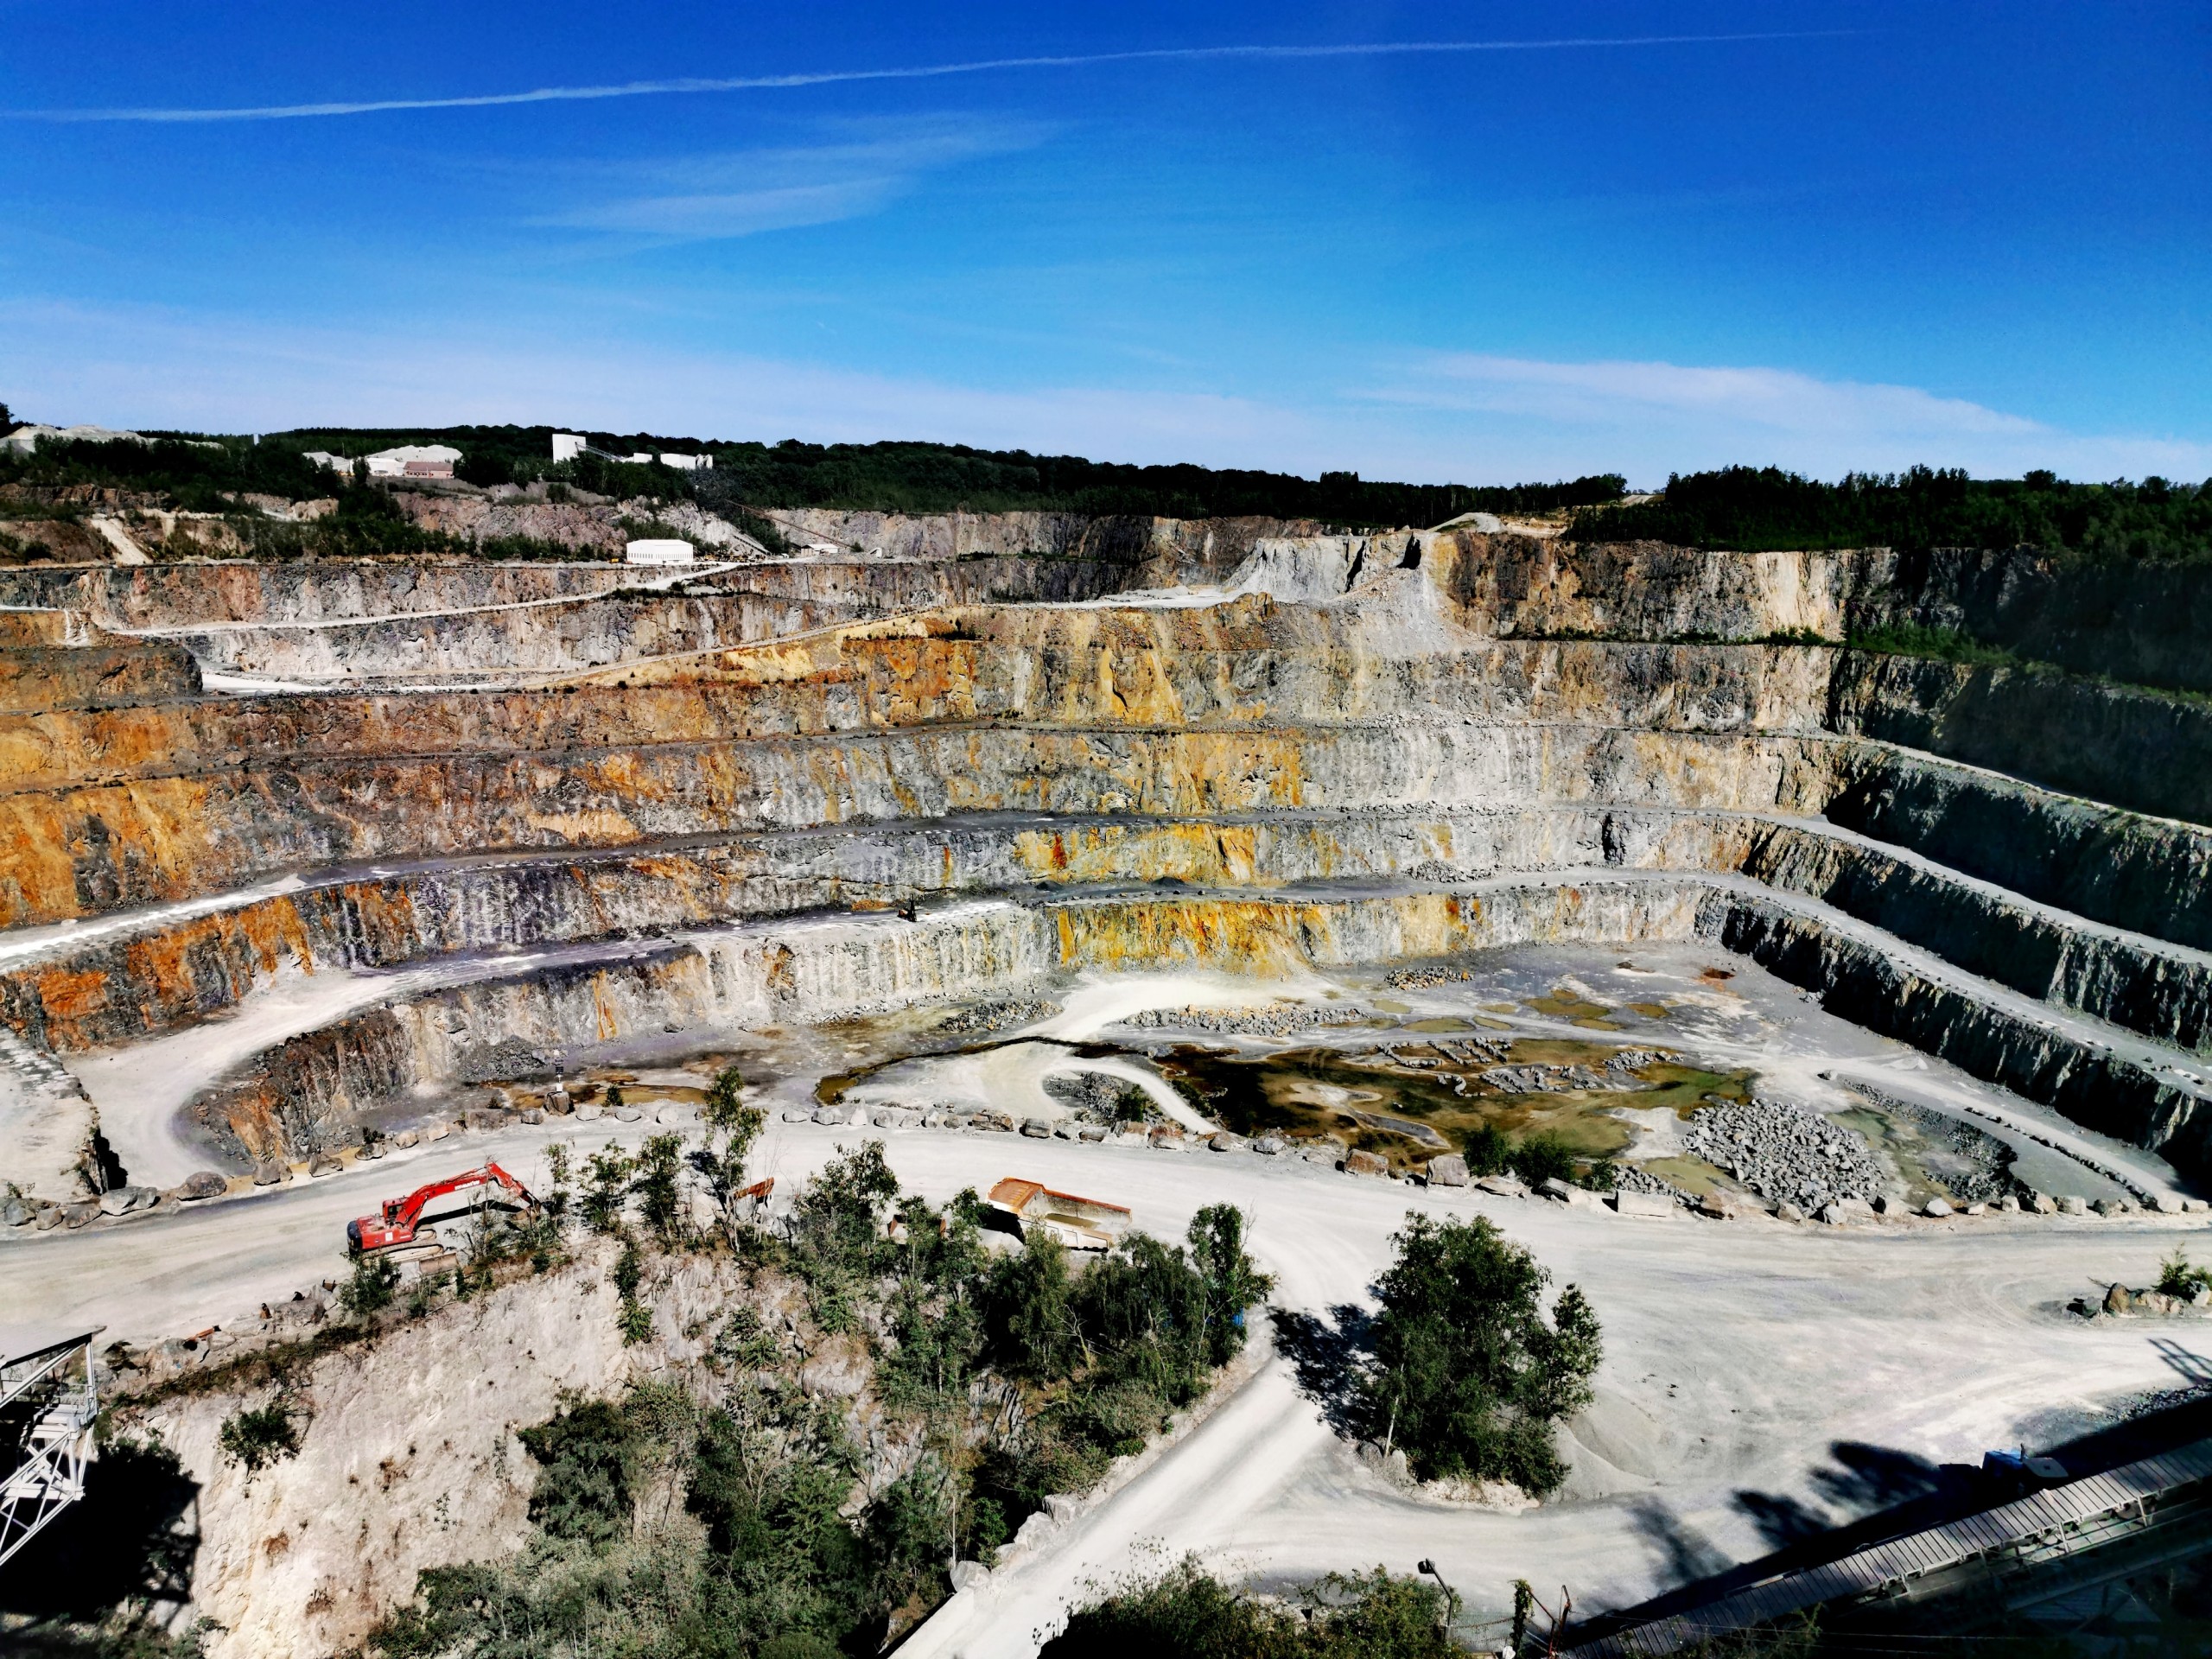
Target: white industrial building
[(659, 551), (567, 446)]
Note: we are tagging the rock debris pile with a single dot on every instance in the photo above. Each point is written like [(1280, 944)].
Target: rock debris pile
[(1280, 1020), (1784, 1152), (995, 1016), (1560, 1079)]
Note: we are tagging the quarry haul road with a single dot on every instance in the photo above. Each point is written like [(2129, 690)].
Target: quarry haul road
[(1744, 1362)]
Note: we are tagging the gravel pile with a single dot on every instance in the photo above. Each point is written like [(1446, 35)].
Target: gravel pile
[(1784, 1152), (1634, 1177), (1428, 979), (1279, 1022), (1557, 1079)]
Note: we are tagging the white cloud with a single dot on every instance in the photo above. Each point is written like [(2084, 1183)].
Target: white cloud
[(743, 192), (1469, 419)]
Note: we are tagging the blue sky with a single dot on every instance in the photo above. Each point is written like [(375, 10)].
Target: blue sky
[(1875, 235)]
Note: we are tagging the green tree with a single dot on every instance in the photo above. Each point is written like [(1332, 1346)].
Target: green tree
[(608, 1177), (732, 1128), (1232, 1282), (1469, 1375), (658, 1162)]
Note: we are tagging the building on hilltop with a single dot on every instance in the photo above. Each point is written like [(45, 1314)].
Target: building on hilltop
[(659, 551), (568, 446)]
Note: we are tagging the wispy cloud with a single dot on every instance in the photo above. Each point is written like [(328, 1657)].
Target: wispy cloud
[(1781, 400), (742, 192), (694, 84), (1666, 416)]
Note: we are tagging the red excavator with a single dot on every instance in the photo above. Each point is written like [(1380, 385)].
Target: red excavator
[(394, 1226)]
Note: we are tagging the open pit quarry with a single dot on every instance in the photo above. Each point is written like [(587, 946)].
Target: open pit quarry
[(1171, 863)]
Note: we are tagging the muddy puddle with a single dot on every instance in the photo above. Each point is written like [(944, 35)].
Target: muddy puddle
[(1413, 1100)]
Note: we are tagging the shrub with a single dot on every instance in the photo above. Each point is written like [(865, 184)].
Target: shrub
[(1469, 1375), (374, 1283), (259, 1438), (1488, 1151), (2178, 1277), (1542, 1157)]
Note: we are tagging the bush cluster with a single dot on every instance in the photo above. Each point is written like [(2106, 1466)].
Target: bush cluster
[(1765, 508), (1469, 1375), (1187, 1613)]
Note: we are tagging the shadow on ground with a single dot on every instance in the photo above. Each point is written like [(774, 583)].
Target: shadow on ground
[(1892, 1493), (125, 1551), (1328, 1355)]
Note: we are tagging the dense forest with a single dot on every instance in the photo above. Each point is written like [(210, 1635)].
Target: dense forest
[(1760, 509), (886, 477)]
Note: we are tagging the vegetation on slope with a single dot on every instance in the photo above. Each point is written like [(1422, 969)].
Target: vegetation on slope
[(744, 1517), (1187, 1613), (1764, 508)]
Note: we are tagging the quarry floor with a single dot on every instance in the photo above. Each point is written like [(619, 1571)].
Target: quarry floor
[(1754, 1369)]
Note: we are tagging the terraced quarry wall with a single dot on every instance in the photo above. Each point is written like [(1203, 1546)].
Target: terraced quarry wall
[(220, 781)]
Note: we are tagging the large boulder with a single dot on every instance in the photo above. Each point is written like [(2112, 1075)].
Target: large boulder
[(968, 1575), (1450, 1170), (1935, 1208), (2073, 1204), (1358, 1162), (202, 1183), (1036, 1128), (15, 1213)]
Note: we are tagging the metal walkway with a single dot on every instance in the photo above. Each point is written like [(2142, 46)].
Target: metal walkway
[(2063, 1521), (47, 1401)]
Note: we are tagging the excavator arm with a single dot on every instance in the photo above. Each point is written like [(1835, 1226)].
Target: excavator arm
[(395, 1221)]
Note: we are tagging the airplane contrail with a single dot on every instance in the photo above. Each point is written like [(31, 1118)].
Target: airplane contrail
[(920, 72)]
